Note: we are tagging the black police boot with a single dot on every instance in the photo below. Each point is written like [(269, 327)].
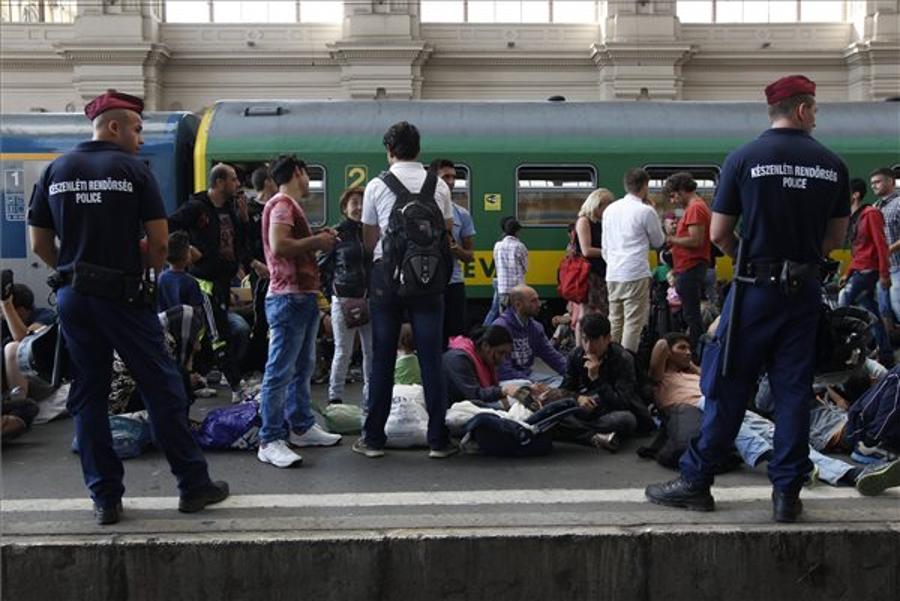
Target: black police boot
[(681, 493), (214, 492), (786, 506), (108, 514)]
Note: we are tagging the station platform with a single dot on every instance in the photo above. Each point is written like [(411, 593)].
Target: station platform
[(571, 525)]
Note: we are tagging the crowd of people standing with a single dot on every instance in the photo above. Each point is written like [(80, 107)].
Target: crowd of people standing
[(416, 301)]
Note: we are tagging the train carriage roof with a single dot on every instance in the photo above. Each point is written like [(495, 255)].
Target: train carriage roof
[(59, 132), (244, 128)]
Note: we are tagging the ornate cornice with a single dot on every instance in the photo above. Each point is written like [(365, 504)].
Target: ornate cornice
[(31, 61), (871, 51), (745, 58), (355, 53), (519, 59), (100, 54), (252, 59), (612, 54)]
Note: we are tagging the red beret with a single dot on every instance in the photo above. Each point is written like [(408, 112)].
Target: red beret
[(112, 100), (792, 85)]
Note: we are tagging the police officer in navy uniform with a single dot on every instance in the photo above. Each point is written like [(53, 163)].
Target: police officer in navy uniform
[(792, 197), (97, 199)]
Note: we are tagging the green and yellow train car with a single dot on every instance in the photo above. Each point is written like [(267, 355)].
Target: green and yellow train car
[(535, 160)]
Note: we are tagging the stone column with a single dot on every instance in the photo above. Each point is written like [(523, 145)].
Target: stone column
[(640, 56), (873, 60), (115, 45), (381, 53)]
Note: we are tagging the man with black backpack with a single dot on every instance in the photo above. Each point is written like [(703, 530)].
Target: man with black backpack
[(407, 217)]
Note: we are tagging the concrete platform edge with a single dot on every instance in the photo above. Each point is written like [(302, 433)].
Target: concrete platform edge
[(805, 561)]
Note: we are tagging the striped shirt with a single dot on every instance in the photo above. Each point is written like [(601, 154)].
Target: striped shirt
[(890, 208), (511, 263)]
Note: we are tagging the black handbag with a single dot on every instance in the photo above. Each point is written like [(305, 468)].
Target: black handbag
[(355, 311)]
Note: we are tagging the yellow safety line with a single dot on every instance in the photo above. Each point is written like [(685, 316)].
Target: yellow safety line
[(28, 156)]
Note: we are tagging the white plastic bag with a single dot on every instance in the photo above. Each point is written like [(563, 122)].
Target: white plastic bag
[(407, 425)]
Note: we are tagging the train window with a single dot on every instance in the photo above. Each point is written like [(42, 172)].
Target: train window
[(706, 176), (462, 187), (552, 194), (314, 203)]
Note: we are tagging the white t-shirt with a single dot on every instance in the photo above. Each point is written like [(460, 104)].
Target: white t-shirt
[(378, 199), (630, 229)]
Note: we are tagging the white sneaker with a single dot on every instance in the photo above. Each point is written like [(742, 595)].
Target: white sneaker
[(278, 454), (314, 437)]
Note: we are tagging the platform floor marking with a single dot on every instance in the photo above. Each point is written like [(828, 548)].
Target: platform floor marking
[(428, 499)]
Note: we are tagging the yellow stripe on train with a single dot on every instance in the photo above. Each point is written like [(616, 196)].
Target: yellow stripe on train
[(543, 264)]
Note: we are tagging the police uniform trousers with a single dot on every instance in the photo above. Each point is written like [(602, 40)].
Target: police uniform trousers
[(776, 333), (93, 327)]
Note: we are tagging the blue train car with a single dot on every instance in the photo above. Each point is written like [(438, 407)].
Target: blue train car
[(28, 142)]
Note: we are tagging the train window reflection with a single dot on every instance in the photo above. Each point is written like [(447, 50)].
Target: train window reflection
[(462, 190), (314, 204), (552, 194), (462, 186)]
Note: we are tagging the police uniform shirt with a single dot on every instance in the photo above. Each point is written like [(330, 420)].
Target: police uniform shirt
[(785, 186), (96, 198)]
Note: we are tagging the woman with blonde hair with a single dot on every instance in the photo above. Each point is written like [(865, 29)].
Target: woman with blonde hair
[(586, 242)]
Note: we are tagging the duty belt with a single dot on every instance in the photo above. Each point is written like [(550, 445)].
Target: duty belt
[(788, 275)]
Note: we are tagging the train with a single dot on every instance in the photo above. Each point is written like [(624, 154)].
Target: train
[(28, 142), (536, 161)]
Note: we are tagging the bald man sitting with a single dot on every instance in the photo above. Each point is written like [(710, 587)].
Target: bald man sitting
[(529, 340)]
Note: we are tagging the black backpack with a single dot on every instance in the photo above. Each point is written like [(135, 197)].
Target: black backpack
[(416, 246)]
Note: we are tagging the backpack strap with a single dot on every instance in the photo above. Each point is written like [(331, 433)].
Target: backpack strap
[(401, 192), (429, 185)]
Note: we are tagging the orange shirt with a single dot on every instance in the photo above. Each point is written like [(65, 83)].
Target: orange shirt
[(696, 213)]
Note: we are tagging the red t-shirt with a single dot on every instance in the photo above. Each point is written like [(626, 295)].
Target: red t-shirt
[(696, 213), (288, 275)]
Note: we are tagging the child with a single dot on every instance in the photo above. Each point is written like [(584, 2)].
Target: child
[(672, 295), (406, 369), (176, 286)]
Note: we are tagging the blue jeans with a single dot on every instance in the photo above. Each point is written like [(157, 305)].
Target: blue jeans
[(238, 341), (94, 327), (494, 312), (285, 395), (889, 300), (426, 315), (860, 291), (756, 437)]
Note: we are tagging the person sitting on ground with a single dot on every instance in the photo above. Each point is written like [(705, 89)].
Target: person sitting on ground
[(529, 340), (470, 365), (182, 327), (563, 338), (20, 319), (176, 286), (601, 376), (17, 418), (679, 384), (406, 368), (676, 377)]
